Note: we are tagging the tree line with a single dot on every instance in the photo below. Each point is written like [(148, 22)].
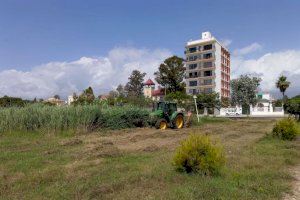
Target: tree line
[(170, 75)]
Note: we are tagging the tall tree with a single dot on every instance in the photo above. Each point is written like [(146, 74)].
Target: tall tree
[(113, 94), (88, 94), (282, 84), (292, 106), (244, 90), (86, 97), (134, 87), (56, 96), (121, 90), (170, 74)]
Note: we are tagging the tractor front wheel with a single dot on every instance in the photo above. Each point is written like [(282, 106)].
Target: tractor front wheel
[(161, 124), (178, 121)]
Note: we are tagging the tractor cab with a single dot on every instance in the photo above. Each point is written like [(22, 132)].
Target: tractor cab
[(166, 107), (165, 115)]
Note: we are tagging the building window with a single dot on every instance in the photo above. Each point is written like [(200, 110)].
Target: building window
[(207, 73), (193, 91), (208, 90), (192, 66), (192, 58), (207, 56), (207, 64), (193, 75), (193, 49), (193, 83), (207, 82), (207, 47)]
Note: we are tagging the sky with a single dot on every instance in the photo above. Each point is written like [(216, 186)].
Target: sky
[(63, 46)]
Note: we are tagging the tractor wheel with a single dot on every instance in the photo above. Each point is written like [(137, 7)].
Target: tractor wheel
[(161, 124), (178, 121)]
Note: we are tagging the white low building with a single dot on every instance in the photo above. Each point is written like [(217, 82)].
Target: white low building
[(263, 107), (70, 99)]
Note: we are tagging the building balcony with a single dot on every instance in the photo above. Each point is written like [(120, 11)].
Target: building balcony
[(188, 52), (200, 76), (212, 58), (192, 76)]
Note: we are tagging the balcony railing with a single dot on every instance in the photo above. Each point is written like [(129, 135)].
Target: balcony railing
[(201, 59), (199, 76), (199, 50), (192, 76)]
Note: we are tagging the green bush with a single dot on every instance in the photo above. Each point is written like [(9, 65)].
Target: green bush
[(286, 129), (82, 117), (198, 154)]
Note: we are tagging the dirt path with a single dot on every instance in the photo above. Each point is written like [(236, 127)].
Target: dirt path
[(296, 185)]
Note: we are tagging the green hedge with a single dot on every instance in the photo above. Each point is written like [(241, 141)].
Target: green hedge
[(86, 117)]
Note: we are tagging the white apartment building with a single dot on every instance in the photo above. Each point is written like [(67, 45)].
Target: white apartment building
[(207, 66)]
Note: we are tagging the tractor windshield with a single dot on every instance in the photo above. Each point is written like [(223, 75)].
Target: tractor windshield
[(158, 106)]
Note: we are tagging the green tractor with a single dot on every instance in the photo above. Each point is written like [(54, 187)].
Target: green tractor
[(165, 115)]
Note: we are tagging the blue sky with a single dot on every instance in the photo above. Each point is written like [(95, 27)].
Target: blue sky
[(34, 32)]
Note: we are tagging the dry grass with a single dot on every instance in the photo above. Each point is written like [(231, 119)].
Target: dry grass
[(135, 164)]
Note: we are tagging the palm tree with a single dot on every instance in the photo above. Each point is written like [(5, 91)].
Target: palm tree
[(282, 84)]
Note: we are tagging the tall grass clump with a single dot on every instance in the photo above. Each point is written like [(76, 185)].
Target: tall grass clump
[(198, 154), (83, 117), (286, 129)]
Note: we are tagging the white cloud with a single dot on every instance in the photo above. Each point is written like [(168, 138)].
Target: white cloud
[(64, 78), (248, 49), (269, 67)]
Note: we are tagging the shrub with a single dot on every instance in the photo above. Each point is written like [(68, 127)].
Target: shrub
[(285, 129), (198, 154)]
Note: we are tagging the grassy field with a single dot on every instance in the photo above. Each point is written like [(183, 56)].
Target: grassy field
[(136, 164)]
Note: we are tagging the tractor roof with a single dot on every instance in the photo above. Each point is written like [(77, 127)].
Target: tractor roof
[(167, 102)]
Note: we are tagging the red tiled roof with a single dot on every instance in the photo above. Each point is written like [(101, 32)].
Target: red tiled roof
[(149, 82), (158, 92)]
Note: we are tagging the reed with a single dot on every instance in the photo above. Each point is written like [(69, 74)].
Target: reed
[(86, 117)]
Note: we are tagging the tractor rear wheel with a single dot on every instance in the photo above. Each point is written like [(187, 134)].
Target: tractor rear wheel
[(161, 124), (178, 121)]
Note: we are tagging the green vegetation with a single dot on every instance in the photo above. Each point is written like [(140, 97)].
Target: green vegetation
[(170, 74), (292, 106), (87, 97), (243, 90), (209, 101), (286, 129), (134, 87), (90, 166), (181, 98), (7, 101), (78, 118), (198, 154)]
